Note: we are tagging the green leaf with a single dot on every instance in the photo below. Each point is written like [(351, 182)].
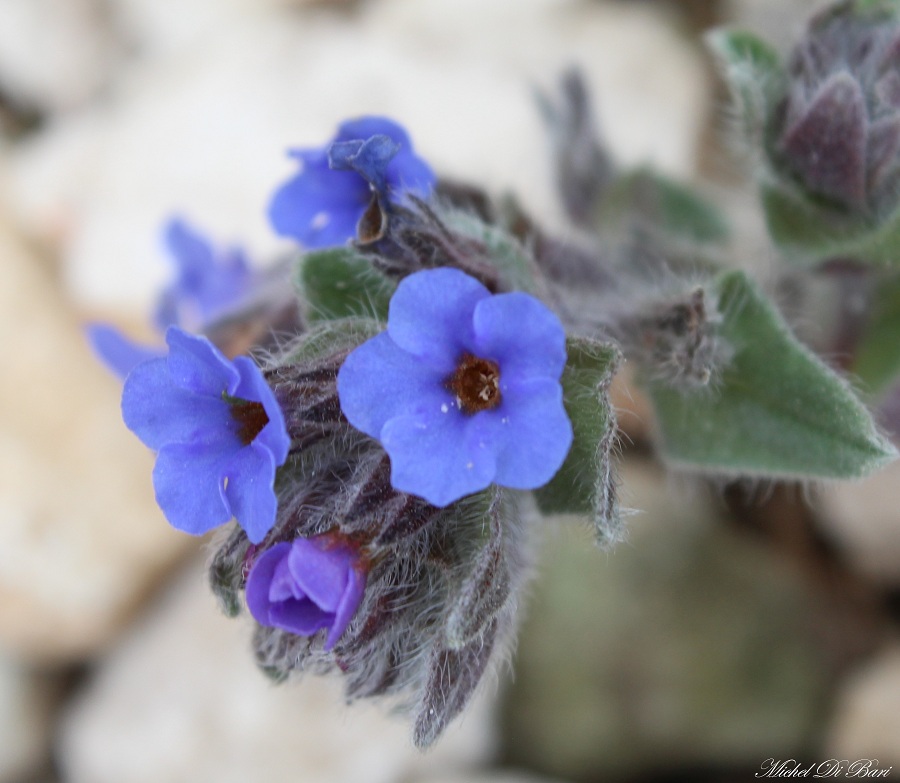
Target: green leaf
[(877, 362), (585, 484), (666, 205), (340, 283), (809, 232), (331, 337), (776, 410), (754, 74), (505, 253)]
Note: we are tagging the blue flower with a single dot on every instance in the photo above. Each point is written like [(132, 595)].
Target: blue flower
[(307, 585), (207, 286), (219, 433), (118, 352), (462, 390), (323, 203)]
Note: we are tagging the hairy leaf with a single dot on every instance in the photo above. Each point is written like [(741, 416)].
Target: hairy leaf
[(877, 362), (665, 206), (754, 74), (453, 676), (809, 231), (485, 589), (586, 482), (776, 409), (340, 283)]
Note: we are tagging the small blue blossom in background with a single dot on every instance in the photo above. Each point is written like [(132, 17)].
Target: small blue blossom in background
[(322, 204), (462, 390), (207, 286), (219, 433), (307, 585), (208, 283)]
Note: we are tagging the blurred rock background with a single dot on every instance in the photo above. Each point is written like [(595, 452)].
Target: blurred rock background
[(734, 626)]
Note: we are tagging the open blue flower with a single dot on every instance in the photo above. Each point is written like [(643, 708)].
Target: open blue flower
[(219, 433), (462, 390), (307, 585), (208, 284), (322, 204)]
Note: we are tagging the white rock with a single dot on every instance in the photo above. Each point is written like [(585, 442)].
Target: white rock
[(181, 700), (203, 130), (864, 518), (867, 713), (81, 539), (24, 724), (55, 54)]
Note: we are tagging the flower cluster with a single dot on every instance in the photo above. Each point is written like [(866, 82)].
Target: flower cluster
[(362, 465)]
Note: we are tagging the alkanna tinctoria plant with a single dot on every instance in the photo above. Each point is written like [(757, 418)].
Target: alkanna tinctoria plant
[(382, 422)]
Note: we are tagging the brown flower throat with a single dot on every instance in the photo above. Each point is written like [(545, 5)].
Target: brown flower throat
[(476, 384), (251, 417)]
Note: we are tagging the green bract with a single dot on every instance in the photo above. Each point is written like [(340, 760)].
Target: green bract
[(776, 409), (586, 482)]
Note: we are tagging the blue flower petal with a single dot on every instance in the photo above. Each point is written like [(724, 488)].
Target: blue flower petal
[(207, 284), (379, 381), (302, 617), (159, 412), (188, 484), (539, 434), (192, 254), (367, 158), (283, 585), (430, 316), (195, 364), (252, 386), (409, 172), (319, 207), (259, 581), (353, 593), (321, 574), (118, 352), (439, 458), (249, 489), (366, 127), (522, 335)]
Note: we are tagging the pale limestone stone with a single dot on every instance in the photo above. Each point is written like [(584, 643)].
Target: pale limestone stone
[(864, 518), (203, 129), (55, 54), (81, 539), (867, 714), (24, 722), (181, 700)]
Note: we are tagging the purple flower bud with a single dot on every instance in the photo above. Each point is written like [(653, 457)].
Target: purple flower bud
[(306, 585), (838, 128)]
